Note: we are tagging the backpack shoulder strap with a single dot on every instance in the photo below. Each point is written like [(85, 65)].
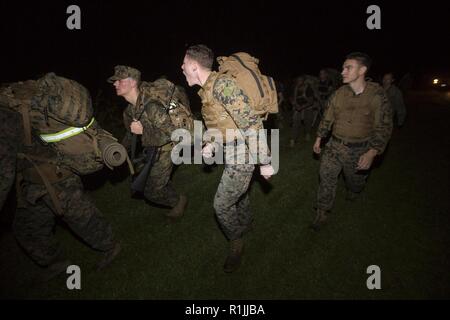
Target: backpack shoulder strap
[(255, 77), (25, 112), (45, 180)]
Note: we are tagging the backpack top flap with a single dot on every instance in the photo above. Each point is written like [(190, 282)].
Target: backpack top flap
[(18, 93), (66, 100), (169, 95), (259, 88), (160, 90), (237, 61)]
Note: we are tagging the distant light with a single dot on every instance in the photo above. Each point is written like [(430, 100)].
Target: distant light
[(443, 84), (435, 81)]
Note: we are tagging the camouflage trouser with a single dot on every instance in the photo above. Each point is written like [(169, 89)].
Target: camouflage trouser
[(231, 201), (307, 115), (158, 188), (35, 220), (336, 158)]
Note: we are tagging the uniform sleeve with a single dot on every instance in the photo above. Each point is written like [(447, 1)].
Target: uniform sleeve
[(236, 104), (383, 123), (126, 141), (157, 126), (328, 117)]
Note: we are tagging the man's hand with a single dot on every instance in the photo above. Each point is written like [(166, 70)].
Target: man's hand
[(266, 171), (365, 161), (316, 147), (136, 127), (208, 150)]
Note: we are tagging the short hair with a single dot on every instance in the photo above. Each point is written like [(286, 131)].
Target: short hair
[(361, 57), (391, 73), (202, 54)]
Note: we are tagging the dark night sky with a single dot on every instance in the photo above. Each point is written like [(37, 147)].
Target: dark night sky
[(288, 37)]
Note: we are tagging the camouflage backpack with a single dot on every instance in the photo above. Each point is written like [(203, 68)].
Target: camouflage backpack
[(59, 111), (259, 88), (173, 100)]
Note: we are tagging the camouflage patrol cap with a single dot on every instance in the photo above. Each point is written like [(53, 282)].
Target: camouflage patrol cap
[(123, 72)]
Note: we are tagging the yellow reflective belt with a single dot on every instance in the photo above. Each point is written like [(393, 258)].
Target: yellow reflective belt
[(64, 134)]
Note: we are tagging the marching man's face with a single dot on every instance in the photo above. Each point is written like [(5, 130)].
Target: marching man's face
[(352, 70), (190, 71), (387, 80), (124, 86)]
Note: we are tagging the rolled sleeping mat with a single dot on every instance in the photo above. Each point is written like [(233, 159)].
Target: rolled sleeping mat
[(113, 153)]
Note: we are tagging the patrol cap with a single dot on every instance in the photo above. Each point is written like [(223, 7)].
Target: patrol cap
[(123, 72)]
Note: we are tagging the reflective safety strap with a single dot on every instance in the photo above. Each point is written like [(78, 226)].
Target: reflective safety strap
[(64, 134)]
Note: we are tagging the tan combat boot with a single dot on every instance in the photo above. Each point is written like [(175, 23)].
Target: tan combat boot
[(320, 220), (178, 210), (233, 260)]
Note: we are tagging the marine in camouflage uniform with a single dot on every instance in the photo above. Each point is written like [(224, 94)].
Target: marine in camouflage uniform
[(10, 142), (231, 201), (306, 107), (155, 130), (395, 97), (226, 106), (329, 81), (325, 88), (37, 213), (360, 125), (41, 200)]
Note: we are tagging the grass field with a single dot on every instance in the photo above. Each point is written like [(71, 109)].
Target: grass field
[(401, 223)]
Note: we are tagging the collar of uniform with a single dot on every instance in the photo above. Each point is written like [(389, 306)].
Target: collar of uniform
[(137, 109), (367, 89), (209, 82)]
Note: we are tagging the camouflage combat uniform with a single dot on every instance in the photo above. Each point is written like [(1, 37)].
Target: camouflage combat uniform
[(39, 204), (395, 97), (10, 141), (325, 89), (157, 131), (36, 214), (357, 123), (231, 201), (305, 109)]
